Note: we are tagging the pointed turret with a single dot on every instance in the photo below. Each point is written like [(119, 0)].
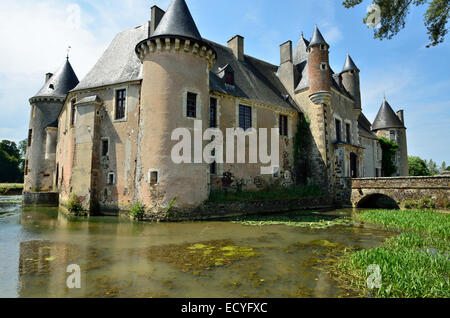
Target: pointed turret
[(317, 38), (319, 70), (386, 118), (349, 64), (58, 85), (350, 80), (178, 21)]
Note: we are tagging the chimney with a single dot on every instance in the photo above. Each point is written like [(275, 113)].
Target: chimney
[(286, 52), (287, 72), (156, 17), (401, 115), (237, 45), (48, 76)]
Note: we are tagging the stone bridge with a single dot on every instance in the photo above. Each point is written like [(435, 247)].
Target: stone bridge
[(401, 189)]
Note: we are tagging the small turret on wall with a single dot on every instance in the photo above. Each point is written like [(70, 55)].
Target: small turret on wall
[(350, 80), (319, 70)]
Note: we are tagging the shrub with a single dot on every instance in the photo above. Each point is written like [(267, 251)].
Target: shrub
[(74, 205), (137, 211), (427, 203)]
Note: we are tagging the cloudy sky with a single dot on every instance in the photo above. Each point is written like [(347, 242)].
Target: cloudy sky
[(35, 34)]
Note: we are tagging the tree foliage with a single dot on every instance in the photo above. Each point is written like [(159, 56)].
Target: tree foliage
[(395, 12), (417, 167), (433, 168), (389, 148), (10, 162)]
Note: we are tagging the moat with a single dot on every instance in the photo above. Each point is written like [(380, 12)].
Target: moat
[(119, 258)]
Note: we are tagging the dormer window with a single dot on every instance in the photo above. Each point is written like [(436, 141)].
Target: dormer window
[(51, 86), (229, 78)]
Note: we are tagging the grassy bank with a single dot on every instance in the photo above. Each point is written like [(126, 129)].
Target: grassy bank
[(269, 193), (10, 188), (414, 264)]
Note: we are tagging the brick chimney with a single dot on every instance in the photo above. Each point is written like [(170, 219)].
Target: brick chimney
[(401, 115), (237, 45), (156, 16)]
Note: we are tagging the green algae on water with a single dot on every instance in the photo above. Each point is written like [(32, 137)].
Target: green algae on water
[(194, 258)]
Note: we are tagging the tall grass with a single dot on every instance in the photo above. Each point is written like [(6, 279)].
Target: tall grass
[(414, 264)]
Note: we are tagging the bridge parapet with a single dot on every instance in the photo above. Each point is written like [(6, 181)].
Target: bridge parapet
[(402, 189)]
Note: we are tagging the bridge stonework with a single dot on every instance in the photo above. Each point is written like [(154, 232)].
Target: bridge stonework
[(402, 189)]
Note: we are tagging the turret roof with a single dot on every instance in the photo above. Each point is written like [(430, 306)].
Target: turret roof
[(349, 64), (178, 21), (317, 38), (386, 118), (60, 83)]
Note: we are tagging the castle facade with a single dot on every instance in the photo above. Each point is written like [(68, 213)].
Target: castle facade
[(108, 138)]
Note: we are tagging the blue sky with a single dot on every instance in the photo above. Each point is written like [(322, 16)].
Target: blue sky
[(34, 36)]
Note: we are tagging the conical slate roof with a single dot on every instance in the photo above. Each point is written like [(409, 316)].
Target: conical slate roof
[(317, 38), (349, 64), (60, 83), (178, 21), (386, 118)]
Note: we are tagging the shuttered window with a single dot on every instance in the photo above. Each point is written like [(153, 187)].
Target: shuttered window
[(245, 117)]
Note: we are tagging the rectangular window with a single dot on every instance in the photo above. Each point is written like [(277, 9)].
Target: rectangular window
[(191, 107), (121, 96), (72, 112), (30, 136), (283, 125), (154, 177), (392, 133), (245, 117), (213, 113), (229, 78), (105, 147), (348, 134), (111, 178), (338, 131), (26, 167)]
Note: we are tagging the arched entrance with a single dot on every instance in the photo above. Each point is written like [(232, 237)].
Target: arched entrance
[(378, 201)]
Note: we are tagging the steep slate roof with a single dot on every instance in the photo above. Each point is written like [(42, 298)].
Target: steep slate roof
[(317, 38), (60, 83), (386, 118), (178, 21), (254, 79), (365, 129), (119, 62), (349, 64)]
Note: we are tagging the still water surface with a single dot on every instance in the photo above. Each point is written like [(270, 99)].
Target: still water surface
[(119, 258)]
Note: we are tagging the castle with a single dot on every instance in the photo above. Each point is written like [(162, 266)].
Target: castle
[(107, 139)]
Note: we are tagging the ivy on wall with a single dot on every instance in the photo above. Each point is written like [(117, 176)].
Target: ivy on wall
[(302, 140), (389, 148)]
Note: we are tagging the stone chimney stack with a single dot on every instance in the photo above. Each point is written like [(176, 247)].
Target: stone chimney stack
[(401, 115), (48, 76), (156, 17), (237, 45), (286, 72)]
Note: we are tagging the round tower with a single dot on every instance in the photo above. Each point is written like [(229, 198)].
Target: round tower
[(175, 94), (45, 108), (350, 80), (319, 69), (391, 126)]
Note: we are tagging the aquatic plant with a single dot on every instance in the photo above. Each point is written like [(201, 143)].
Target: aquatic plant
[(74, 205), (137, 211)]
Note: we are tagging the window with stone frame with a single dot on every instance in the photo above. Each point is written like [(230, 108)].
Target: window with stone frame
[(191, 105), (120, 107), (111, 178), (283, 122), (30, 137), (392, 135), (72, 112), (213, 112), (105, 147), (348, 135), (338, 130), (245, 117)]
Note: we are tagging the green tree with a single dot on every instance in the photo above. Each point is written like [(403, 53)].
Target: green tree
[(443, 166), (10, 161), (417, 167), (432, 167), (394, 13), (389, 148)]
